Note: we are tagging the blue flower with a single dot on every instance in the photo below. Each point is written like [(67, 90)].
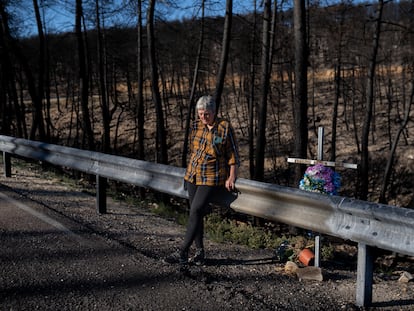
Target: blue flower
[(321, 179)]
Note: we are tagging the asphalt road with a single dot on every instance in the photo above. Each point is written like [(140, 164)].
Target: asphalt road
[(49, 262)]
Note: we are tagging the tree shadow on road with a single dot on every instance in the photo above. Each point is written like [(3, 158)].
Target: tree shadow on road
[(237, 262)]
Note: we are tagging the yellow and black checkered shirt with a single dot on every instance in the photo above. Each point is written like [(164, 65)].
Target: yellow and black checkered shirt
[(211, 153)]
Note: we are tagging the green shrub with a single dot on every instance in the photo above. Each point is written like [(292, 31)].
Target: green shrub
[(231, 231), (327, 252), (170, 211)]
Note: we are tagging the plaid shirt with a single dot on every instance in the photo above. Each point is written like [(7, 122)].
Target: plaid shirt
[(212, 152)]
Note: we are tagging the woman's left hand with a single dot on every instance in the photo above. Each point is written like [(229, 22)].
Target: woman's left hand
[(230, 183), (231, 180)]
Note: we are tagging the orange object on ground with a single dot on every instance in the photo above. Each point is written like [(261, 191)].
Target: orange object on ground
[(306, 256)]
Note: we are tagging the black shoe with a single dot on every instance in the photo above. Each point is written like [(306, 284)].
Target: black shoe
[(177, 257), (198, 259)]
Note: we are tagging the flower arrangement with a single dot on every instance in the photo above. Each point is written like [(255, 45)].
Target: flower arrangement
[(321, 179)]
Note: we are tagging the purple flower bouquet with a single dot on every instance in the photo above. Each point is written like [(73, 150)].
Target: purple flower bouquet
[(321, 179)]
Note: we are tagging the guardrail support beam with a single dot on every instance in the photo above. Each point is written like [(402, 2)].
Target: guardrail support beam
[(101, 184), (7, 164), (364, 275)]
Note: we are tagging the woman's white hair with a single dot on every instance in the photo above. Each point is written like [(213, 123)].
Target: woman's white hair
[(206, 103)]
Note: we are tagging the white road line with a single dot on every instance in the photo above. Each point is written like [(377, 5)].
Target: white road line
[(37, 214)]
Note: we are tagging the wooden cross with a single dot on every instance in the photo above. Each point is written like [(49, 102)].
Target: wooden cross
[(326, 163)]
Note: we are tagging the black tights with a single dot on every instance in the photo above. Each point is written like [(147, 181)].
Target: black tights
[(199, 199)]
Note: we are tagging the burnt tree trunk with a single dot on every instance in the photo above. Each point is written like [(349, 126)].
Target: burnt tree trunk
[(106, 119), (264, 85), (301, 86), (88, 138), (224, 52), (364, 171), (140, 85), (161, 141), (251, 96), (193, 89)]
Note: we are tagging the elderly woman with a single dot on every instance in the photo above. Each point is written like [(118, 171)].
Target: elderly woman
[(213, 164)]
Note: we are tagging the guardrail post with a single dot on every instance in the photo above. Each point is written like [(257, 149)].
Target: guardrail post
[(364, 275), (101, 183), (7, 164), (317, 260), (318, 236)]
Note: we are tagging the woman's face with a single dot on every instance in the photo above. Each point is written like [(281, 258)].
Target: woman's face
[(206, 116)]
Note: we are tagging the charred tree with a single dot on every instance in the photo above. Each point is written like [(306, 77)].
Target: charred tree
[(224, 52), (191, 101), (88, 139), (140, 85), (161, 140), (364, 170), (264, 85), (300, 105), (106, 117)]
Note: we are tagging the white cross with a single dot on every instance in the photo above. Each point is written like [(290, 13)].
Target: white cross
[(326, 163)]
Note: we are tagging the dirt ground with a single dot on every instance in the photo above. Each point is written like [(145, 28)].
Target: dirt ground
[(234, 277)]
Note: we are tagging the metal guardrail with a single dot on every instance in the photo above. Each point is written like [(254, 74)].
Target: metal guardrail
[(369, 224)]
